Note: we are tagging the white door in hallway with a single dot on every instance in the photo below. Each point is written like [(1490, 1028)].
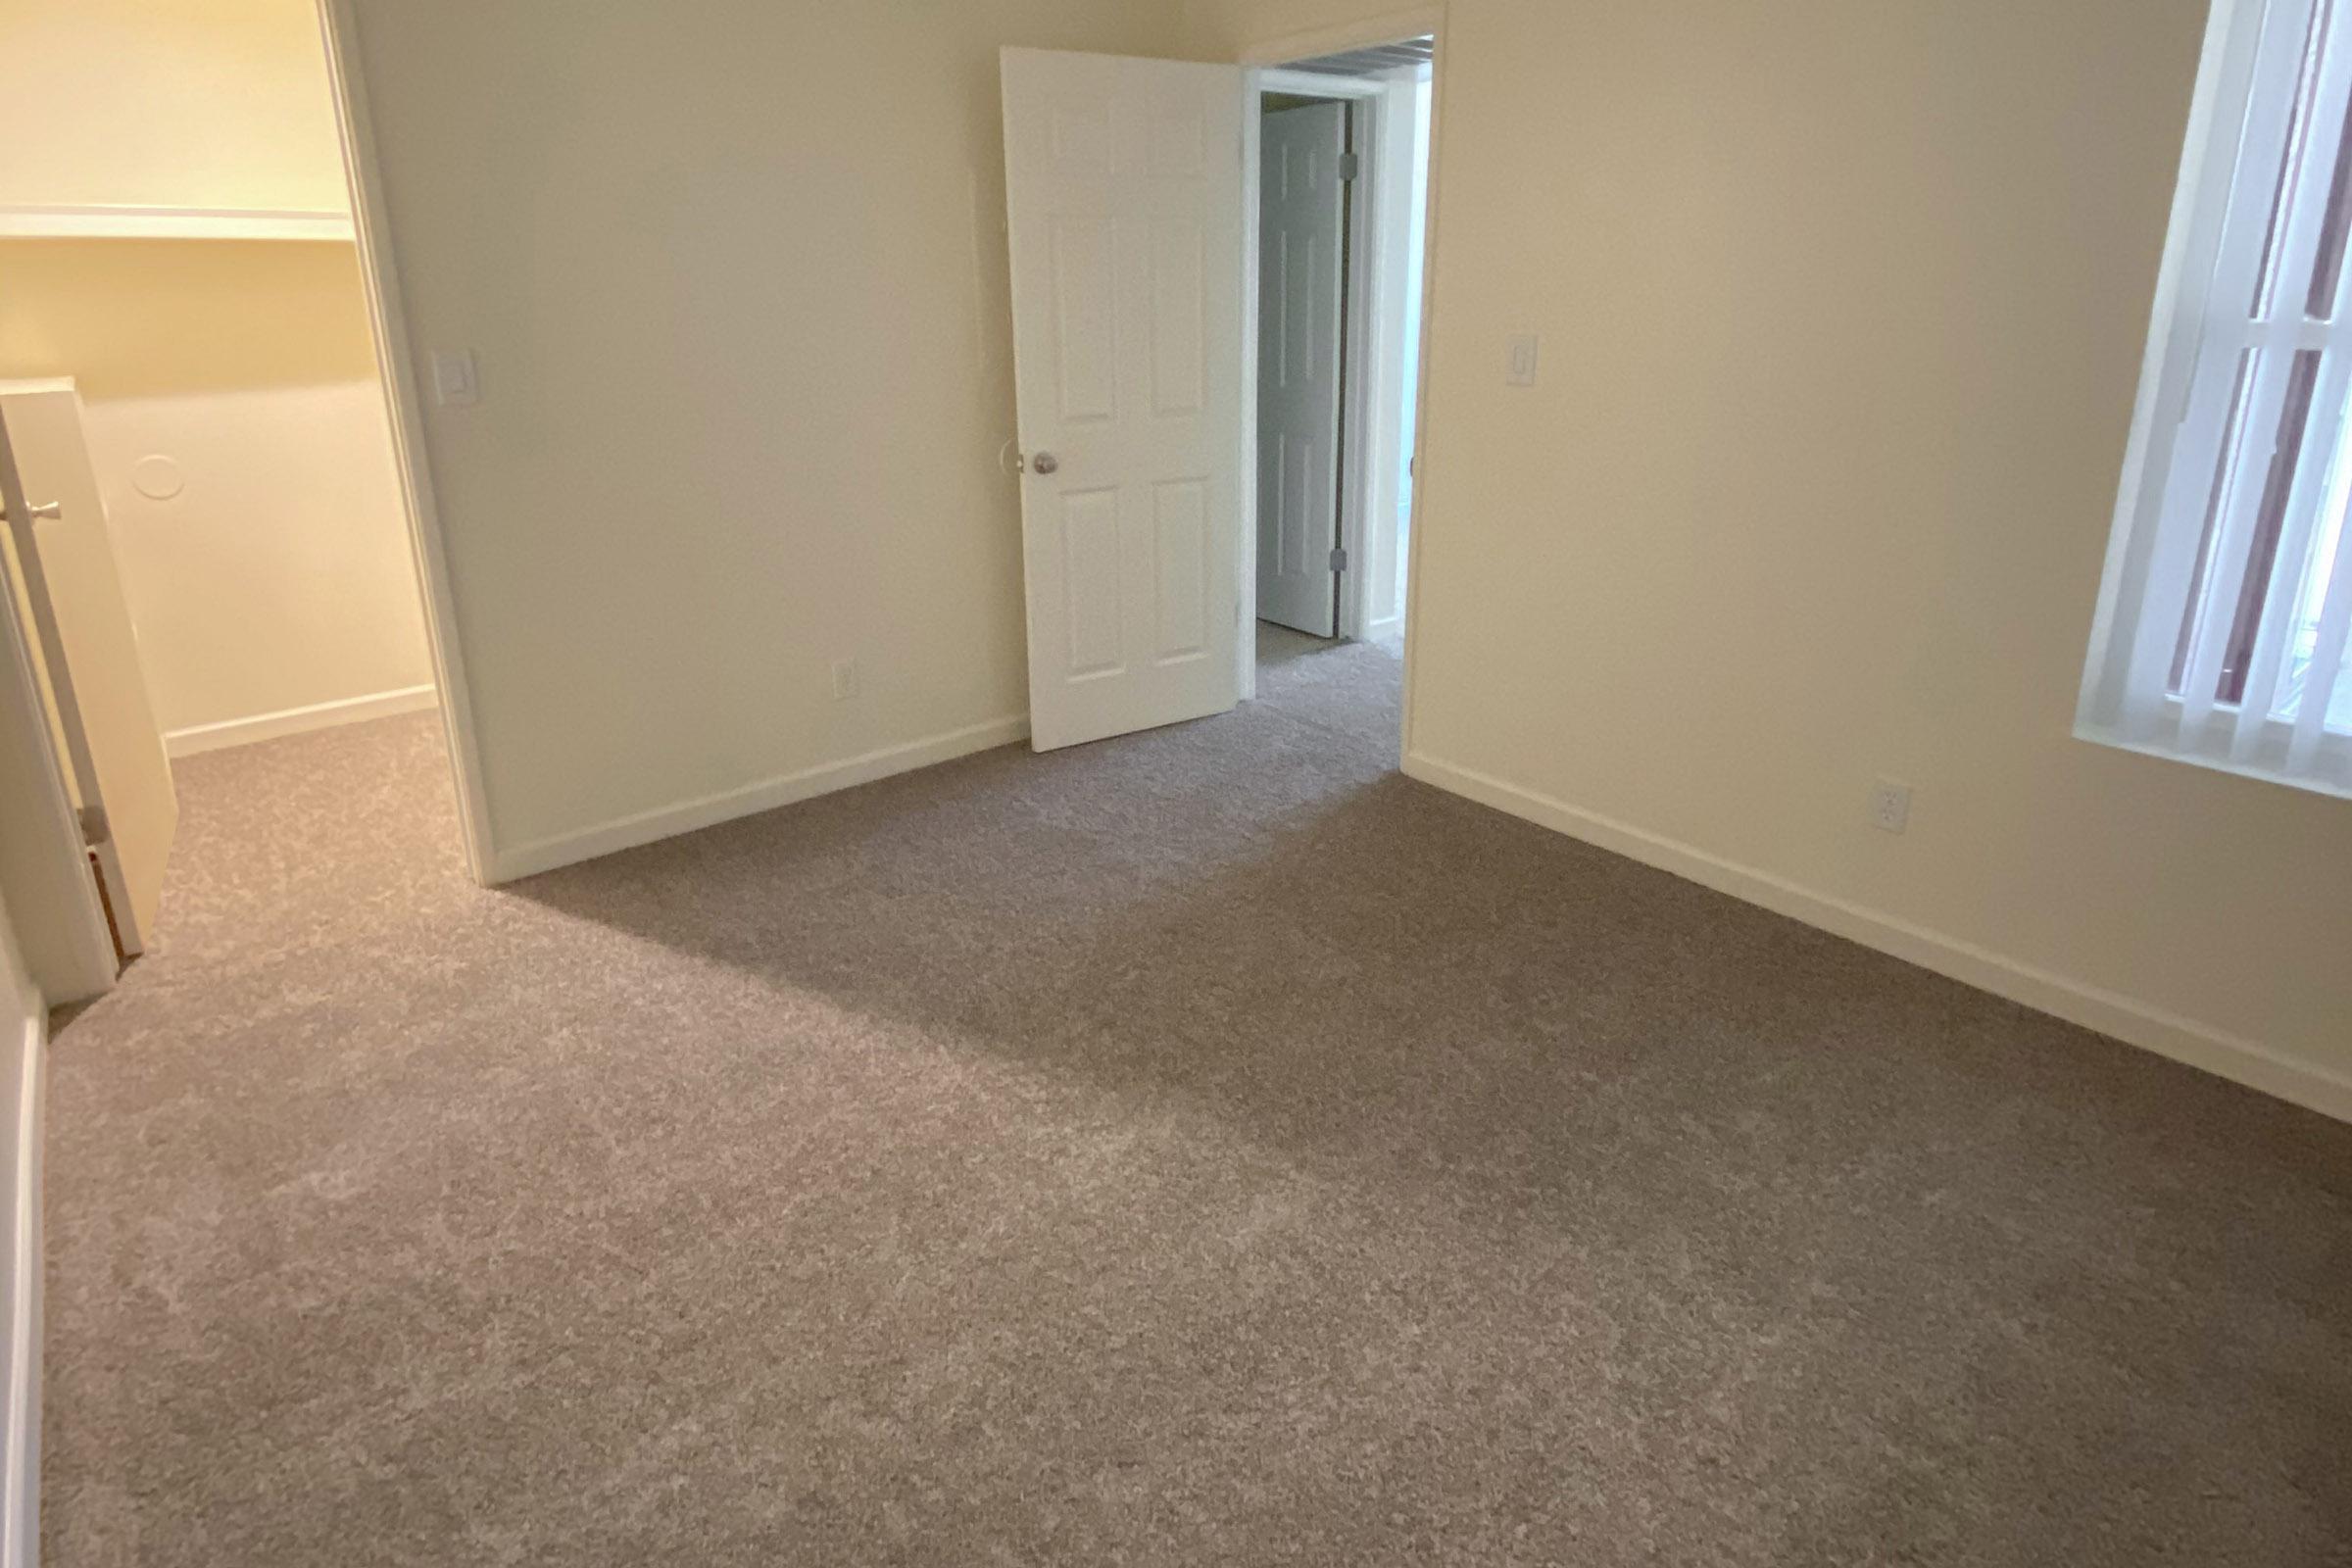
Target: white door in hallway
[(1123, 189), (1300, 321)]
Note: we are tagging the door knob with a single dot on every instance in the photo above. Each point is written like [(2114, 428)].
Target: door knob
[(1044, 462)]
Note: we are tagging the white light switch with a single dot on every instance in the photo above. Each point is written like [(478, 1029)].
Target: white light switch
[(1523, 360), (455, 381)]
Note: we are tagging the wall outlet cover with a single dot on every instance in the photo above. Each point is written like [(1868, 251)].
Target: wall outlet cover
[(1891, 807)]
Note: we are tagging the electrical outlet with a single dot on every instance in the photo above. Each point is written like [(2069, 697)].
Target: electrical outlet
[(845, 679), (1522, 368), (1891, 807)]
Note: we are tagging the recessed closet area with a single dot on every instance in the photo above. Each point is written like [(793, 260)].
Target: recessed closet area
[(189, 374)]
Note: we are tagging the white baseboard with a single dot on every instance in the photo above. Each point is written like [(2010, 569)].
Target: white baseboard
[(2324, 1090), (198, 738), (20, 1484), (627, 832)]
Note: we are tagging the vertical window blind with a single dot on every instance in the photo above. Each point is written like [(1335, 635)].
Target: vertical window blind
[(2223, 622)]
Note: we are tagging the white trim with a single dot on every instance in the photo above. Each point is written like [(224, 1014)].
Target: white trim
[(196, 739), (1318, 84), (173, 222), (2268, 768), (1424, 407), (1367, 288), (708, 810), (1253, 221), (21, 1487), (1387, 398), (2325, 1090), (379, 272)]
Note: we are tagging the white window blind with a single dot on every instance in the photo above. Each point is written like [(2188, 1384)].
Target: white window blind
[(2223, 621)]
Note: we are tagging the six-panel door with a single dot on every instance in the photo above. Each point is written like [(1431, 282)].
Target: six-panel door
[(1300, 280), (1123, 190)]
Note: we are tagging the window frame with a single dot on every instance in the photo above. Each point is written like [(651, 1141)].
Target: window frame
[(2197, 231)]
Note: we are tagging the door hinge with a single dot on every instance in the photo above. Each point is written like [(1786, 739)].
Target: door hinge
[(1350, 167), (95, 829), (1339, 561)]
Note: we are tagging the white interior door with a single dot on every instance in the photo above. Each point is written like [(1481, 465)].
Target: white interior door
[(68, 587), (1301, 250), (1123, 188)]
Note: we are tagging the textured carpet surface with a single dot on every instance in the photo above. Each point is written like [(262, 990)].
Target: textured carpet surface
[(1205, 1148)]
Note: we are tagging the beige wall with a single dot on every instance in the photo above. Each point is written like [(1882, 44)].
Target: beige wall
[(736, 279), (278, 577), (165, 102), (1843, 308)]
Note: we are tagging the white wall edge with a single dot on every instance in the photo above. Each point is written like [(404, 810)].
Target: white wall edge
[(173, 222), (708, 810), (21, 1509), (2108, 1013), (198, 738), (379, 273)]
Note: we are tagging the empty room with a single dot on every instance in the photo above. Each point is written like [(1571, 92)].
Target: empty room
[(1176, 781)]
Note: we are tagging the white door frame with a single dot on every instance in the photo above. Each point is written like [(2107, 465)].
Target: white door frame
[(1265, 63), (380, 276)]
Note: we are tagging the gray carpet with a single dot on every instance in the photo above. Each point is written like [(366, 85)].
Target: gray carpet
[(1206, 1148)]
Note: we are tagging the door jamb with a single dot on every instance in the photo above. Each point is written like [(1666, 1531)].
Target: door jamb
[(379, 274), (1262, 61)]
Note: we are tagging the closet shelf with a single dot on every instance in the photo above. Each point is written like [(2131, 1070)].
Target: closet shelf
[(172, 222)]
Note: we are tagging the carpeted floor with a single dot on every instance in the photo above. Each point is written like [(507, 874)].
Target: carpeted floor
[(1206, 1147)]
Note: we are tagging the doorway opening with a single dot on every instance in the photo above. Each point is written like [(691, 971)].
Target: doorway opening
[(211, 535), (1340, 233), (1135, 226)]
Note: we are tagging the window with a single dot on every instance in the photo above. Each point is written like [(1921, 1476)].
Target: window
[(2223, 623)]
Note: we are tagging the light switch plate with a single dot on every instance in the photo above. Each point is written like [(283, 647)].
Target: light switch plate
[(1522, 368), (456, 383)]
